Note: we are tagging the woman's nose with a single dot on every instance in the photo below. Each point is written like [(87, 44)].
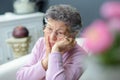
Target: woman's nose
[(53, 36)]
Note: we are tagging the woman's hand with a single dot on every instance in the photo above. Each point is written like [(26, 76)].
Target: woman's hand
[(48, 47), (48, 51), (64, 45)]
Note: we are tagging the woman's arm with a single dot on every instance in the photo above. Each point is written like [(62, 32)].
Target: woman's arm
[(72, 70), (33, 70)]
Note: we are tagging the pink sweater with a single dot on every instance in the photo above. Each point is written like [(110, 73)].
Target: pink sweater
[(60, 67)]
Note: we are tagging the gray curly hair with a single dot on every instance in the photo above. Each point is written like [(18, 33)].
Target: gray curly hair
[(66, 13)]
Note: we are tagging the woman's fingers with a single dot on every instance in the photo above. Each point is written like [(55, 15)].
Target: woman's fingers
[(67, 44), (47, 43), (69, 40)]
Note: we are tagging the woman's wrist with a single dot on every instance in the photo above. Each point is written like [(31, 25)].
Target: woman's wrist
[(55, 49), (45, 63)]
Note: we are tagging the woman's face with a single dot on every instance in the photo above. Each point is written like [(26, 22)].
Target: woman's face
[(55, 30)]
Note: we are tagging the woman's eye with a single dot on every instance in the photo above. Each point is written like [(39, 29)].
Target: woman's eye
[(61, 33), (50, 29)]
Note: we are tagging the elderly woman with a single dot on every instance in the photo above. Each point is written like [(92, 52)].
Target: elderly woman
[(56, 56)]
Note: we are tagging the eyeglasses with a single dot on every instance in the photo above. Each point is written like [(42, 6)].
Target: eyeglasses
[(59, 34)]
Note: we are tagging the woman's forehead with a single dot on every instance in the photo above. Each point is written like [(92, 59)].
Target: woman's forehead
[(56, 24)]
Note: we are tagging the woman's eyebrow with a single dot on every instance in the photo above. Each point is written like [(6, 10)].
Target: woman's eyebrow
[(49, 24), (52, 26)]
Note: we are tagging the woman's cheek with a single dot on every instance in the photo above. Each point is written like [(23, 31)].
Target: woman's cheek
[(60, 39)]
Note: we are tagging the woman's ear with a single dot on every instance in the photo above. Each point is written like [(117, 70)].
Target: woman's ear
[(74, 34), (44, 21), (44, 30)]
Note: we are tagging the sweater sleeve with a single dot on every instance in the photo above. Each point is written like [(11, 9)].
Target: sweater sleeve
[(72, 70), (33, 70)]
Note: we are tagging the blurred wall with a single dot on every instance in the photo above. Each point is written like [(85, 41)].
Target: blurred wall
[(89, 9), (6, 6)]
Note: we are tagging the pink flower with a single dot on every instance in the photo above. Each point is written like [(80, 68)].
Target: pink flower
[(114, 24), (110, 9), (111, 12), (98, 37)]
